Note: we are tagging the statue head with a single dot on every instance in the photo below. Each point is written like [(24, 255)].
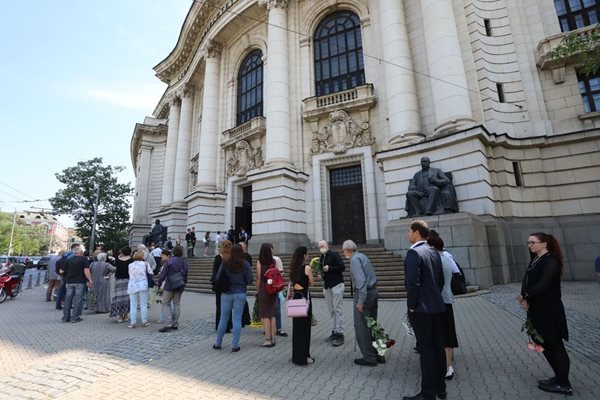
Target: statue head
[(157, 222), (425, 162)]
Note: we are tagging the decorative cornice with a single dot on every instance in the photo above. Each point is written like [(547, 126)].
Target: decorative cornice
[(187, 90), (141, 132), (269, 4)]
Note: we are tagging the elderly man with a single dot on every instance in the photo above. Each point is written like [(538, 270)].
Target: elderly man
[(53, 278), (424, 280), (365, 302), (424, 191), (77, 273), (333, 267)]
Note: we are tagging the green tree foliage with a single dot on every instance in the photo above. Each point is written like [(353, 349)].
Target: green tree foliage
[(27, 240), (79, 195), (584, 48)]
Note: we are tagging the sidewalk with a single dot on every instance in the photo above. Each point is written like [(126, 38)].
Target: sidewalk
[(42, 358)]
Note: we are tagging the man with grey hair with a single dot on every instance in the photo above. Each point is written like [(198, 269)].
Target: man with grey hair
[(148, 257), (333, 267), (365, 302), (77, 273)]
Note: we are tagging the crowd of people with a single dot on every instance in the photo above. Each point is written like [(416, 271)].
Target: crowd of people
[(429, 272)]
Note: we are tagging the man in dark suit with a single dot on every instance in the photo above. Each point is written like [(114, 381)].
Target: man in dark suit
[(424, 190), (424, 281)]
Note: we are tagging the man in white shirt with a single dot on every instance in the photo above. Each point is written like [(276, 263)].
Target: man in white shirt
[(156, 254)]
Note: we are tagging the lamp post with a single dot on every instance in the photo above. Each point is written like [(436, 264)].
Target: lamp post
[(93, 238), (12, 231)]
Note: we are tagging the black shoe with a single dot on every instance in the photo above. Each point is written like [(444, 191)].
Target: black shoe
[(175, 327), (66, 320), (381, 359), (165, 329), (235, 349), (556, 388), (417, 396), (441, 395), (546, 382), (281, 333), (363, 362), (216, 347), (59, 308), (77, 320), (331, 338), (339, 340)]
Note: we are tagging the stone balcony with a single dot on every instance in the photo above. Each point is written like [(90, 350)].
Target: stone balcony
[(253, 129), (557, 65), (360, 98)]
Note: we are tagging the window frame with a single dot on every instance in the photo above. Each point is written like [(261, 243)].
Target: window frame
[(329, 62), (588, 94), (250, 88), (568, 21)]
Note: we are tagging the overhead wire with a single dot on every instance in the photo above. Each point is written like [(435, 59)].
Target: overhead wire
[(366, 55), (15, 189)]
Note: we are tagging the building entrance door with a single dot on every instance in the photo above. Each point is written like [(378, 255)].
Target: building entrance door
[(243, 214), (347, 205)]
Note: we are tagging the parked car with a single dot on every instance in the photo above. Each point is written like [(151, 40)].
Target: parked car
[(10, 262), (44, 261), (35, 260)]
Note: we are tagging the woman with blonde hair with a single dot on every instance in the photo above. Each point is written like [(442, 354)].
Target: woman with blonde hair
[(137, 288)]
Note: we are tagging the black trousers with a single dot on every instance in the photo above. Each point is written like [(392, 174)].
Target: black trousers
[(430, 343), (556, 354)]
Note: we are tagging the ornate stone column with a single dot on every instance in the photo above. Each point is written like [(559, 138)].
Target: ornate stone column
[(449, 82), (171, 152), (208, 150), (402, 103), (182, 163), (278, 140), (142, 186)]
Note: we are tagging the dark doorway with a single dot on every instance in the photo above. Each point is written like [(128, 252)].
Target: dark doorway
[(243, 214), (347, 205)]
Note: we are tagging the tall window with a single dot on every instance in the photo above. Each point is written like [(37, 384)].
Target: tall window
[(338, 53), (589, 87), (250, 88), (575, 14)]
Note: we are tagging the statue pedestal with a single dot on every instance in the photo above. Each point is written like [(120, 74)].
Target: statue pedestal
[(464, 236)]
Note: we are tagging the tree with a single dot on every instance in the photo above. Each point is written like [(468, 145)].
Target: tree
[(584, 48), (78, 200), (27, 240)]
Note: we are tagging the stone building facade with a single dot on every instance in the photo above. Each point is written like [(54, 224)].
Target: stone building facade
[(305, 119)]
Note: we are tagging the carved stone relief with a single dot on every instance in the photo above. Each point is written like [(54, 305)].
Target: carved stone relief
[(243, 157), (340, 134)]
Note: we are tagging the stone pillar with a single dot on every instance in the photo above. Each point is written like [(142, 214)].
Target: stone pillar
[(278, 140), (171, 152), (142, 186), (208, 143), (402, 103), (449, 81), (182, 163)]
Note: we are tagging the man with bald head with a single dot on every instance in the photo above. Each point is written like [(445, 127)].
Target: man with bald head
[(333, 267), (77, 274)]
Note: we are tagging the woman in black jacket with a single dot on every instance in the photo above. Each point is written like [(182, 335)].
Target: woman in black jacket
[(541, 297)]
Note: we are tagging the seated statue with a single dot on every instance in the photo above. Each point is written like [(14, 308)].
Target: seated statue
[(430, 192), (157, 235)]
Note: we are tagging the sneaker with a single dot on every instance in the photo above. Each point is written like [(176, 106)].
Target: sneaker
[(338, 341), (145, 324), (331, 338), (450, 373)]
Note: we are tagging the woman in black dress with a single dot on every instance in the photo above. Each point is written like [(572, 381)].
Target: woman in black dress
[(541, 297), (266, 301), (301, 278)]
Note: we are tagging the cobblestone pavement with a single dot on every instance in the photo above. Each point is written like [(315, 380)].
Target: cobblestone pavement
[(42, 358)]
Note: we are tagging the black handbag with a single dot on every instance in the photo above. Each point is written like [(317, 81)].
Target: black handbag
[(151, 282), (223, 283), (458, 285)]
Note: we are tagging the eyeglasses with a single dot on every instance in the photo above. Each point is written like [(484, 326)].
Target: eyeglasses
[(530, 243)]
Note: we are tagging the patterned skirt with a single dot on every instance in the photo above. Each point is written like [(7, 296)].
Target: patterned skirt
[(120, 299)]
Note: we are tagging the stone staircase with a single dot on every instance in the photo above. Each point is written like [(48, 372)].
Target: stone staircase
[(389, 269)]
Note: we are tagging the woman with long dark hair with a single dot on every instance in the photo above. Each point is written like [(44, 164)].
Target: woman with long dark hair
[(239, 276), (541, 297), (266, 301), (301, 278)]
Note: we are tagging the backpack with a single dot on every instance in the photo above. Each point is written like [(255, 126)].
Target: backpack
[(60, 264), (277, 281)]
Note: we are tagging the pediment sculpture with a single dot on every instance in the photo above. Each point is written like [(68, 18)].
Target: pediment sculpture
[(340, 134), (243, 158)]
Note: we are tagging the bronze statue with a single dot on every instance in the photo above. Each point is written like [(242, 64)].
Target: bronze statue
[(430, 192), (157, 235)]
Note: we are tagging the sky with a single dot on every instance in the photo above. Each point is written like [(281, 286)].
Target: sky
[(75, 78)]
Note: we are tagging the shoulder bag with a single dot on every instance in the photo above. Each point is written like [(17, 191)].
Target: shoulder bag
[(176, 280), (297, 308)]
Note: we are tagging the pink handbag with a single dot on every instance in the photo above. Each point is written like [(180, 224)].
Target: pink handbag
[(297, 308)]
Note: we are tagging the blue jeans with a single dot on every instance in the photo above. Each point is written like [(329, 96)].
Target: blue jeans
[(235, 302), (62, 291), (278, 312), (163, 314), (74, 298), (142, 296)]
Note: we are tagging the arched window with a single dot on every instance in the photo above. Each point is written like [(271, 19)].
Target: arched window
[(250, 88), (338, 53)]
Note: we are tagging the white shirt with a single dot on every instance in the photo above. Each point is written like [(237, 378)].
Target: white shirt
[(156, 252), (418, 243)]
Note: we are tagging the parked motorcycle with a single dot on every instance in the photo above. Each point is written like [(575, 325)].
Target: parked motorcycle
[(10, 283)]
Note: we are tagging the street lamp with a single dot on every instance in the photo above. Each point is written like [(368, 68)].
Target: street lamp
[(93, 238)]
